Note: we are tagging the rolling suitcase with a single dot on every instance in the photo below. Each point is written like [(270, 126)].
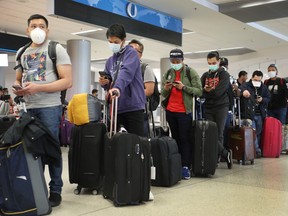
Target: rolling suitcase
[(23, 189), (65, 132), (205, 148), (127, 166), (241, 140), (271, 137), (166, 159), (85, 156)]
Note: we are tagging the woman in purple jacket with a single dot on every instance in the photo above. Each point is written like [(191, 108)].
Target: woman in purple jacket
[(123, 75)]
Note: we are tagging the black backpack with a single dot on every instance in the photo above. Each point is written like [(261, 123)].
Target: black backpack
[(52, 56), (154, 99)]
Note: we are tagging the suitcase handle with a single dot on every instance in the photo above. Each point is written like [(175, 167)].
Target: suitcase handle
[(114, 108)]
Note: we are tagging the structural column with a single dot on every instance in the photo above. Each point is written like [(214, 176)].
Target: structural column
[(164, 67), (80, 55)]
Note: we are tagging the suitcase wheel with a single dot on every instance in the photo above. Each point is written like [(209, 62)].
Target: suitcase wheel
[(77, 191), (94, 192), (105, 197)]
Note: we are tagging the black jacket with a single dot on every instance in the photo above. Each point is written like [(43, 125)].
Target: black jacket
[(218, 97), (262, 91), (38, 139)]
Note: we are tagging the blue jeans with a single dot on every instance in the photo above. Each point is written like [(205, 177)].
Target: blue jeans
[(280, 114), (50, 117), (257, 124)]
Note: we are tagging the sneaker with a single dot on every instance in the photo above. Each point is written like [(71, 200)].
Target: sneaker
[(151, 196), (55, 199), (186, 173), (229, 160), (258, 155)]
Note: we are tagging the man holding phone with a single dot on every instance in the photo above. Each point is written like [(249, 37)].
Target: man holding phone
[(179, 88), (37, 82)]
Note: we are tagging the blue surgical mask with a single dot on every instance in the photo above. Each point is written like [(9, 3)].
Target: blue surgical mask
[(176, 66), (115, 48), (213, 67)]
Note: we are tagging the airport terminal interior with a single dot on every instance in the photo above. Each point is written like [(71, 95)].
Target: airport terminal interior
[(260, 189), (252, 34)]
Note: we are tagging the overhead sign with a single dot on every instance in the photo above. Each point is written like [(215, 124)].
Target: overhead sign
[(136, 12)]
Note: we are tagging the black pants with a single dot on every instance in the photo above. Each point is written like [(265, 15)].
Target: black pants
[(219, 116), (181, 130), (133, 122)]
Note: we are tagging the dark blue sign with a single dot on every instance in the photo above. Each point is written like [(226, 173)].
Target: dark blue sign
[(136, 12)]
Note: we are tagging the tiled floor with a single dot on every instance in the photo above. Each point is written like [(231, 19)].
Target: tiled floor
[(260, 189)]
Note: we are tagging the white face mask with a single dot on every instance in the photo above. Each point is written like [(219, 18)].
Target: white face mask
[(256, 83), (38, 36), (272, 74), (115, 48)]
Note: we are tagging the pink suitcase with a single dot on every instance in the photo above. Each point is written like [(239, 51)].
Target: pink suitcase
[(271, 137)]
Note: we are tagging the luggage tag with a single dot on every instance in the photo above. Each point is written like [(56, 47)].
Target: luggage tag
[(153, 172)]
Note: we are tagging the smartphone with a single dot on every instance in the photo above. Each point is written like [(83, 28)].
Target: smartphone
[(168, 82), (103, 74), (175, 82), (17, 87)]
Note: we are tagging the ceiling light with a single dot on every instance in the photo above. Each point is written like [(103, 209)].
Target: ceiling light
[(268, 31), (260, 3), (220, 49), (86, 31)]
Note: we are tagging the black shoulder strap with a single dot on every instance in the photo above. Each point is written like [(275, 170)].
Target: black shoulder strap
[(52, 55), (143, 68), (20, 53), (188, 73)]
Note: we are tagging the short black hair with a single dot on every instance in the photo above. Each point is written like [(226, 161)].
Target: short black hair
[(141, 46), (213, 54), (94, 91), (116, 30), (242, 73), (223, 62), (37, 16), (257, 73)]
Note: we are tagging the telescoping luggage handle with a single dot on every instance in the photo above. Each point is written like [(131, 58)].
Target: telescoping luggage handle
[(114, 108)]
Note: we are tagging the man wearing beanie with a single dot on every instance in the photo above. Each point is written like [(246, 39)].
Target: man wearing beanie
[(179, 83), (277, 86)]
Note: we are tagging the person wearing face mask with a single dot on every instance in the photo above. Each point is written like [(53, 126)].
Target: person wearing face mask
[(258, 94), (178, 87), (277, 86), (215, 83), (41, 88), (124, 77)]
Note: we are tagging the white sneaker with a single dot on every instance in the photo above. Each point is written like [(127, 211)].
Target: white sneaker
[(151, 196)]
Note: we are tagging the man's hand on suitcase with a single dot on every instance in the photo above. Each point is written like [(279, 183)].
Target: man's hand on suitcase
[(114, 92)]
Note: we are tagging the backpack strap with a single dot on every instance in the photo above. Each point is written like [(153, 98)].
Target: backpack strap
[(52, 55), (20, 53), (188, 73), (143, 68)]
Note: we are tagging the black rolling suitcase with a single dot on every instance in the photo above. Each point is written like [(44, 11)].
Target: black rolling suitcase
[(85, 156), (127, 166), (165, 158), (205, 148)]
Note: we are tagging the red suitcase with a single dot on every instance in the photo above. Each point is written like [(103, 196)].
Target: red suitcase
[(271, 137)]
